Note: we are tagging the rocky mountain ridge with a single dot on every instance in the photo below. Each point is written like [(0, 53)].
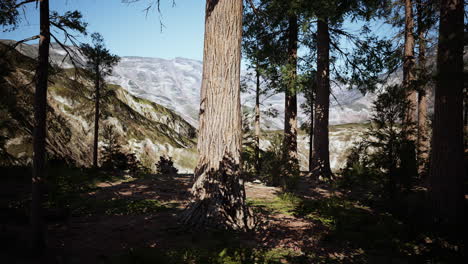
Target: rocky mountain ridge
[(145, 128), (176, 83)]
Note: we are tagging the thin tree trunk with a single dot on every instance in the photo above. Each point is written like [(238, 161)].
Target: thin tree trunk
[(423, 139), (290, 109), (218, 191), (321, 151), (465, 114), (39, 134), (447, 168), (311, 134), (408, 157), (96, 116), (408, 65), (257, 124)]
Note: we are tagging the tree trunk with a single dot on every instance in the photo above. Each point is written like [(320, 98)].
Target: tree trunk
[(218, 191), (39, 134), (408, 164), (321, 151), (290, 109), (96, 116), (408, 65), (447, 168), (257, 124), (311, 133), (423, 139)]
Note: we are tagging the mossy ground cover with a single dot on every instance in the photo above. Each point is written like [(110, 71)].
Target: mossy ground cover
[(284, 203)]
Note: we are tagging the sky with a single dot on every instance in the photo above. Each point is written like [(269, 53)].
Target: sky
[(128, 30)]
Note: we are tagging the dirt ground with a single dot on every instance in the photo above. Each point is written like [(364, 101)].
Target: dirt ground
[(119, 216), (97, 236)]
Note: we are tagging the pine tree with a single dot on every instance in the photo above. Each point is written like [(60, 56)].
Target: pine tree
[(253, 51), (257, 121), (40, 130), (447, 167), (218, 194), (291, 157), (426, 18), (409, 64), (321, 152), (100, 62), (308, 84), (329, 17), (409, 160), (273, 40), (416, 77), (10, 16)]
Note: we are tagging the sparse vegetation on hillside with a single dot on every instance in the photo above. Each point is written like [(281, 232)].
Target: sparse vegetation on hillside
[(70, 118)]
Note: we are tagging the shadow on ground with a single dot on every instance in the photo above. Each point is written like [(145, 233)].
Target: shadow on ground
[(135, 220)]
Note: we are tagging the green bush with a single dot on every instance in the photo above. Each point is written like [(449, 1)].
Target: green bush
[(273, 169), (114, 159), (385, 158), (165, 166)]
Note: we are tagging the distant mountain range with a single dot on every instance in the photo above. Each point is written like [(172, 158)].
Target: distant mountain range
[(154, 108), (176, 84)]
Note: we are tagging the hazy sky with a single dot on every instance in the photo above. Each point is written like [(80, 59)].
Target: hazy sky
[(126, 28)]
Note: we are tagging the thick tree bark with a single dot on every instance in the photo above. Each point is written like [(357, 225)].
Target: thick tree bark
[(218, 191), (257, 123), (321, 151), (423, 139), (39, 134), (96, 115), (408, 65), (311, 134), (290, 108), (447, 168)]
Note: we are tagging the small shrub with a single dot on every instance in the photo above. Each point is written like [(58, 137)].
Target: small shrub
[(273, 169), (165, 166), (114, 158), (272, 161)]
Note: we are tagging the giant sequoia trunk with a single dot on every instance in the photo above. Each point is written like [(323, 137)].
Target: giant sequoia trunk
[(96, 115), (423, 139), (218, 191), (408, 65), (39, 134), (290, 108), (321, 151), (447, 168)]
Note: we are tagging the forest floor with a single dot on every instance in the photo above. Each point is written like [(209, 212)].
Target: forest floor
[(135, 220)]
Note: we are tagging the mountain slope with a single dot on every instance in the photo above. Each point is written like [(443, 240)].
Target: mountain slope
[(176, 83), (146, 128)]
